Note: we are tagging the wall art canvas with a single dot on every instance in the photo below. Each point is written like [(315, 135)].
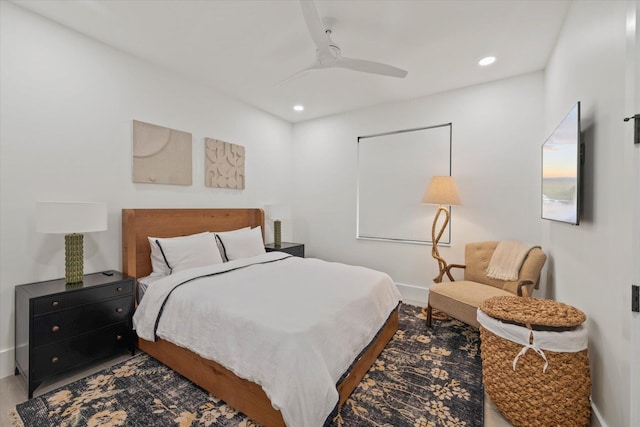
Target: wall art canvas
[(161, 155), (224, 164)]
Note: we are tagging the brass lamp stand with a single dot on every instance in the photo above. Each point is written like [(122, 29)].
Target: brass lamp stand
[(442, 264)]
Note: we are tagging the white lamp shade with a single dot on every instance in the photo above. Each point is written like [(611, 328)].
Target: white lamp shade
[(442, 190), (71, 217), (278, 211)]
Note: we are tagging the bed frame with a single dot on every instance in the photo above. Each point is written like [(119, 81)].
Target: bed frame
[(245, 396)]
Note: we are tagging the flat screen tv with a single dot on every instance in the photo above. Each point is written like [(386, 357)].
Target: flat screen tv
[(561, 170)]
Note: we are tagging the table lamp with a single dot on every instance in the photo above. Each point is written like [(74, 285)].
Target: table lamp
[(277, 213), (71, 219), (441, 191)]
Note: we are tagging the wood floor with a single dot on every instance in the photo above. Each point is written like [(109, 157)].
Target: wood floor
[(13, 391)]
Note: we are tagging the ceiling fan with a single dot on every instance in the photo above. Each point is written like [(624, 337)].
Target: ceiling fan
[(328, 53)]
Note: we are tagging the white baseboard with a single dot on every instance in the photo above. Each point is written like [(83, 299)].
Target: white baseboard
[(412, 294), (596, 417), (7, 363)]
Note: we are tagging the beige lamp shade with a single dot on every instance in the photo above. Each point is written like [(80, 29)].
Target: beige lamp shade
[(277, 211), (442, 190), (71, 217)]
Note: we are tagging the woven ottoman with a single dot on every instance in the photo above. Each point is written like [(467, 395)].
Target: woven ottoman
[(535, 366)]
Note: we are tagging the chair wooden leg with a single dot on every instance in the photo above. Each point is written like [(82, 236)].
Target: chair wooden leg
[(429, 314)]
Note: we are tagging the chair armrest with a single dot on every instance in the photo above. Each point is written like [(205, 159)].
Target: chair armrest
[(522, 284), (449, 267)]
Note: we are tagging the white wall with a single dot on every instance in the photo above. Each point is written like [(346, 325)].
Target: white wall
[(633, 105), (497, 134), (66, 110), (591, 263)]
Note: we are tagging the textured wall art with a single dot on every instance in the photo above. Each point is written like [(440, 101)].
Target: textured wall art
[(224, 164), (161, 155)]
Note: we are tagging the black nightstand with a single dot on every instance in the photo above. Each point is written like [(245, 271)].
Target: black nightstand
[(295, 249), (60, 326)]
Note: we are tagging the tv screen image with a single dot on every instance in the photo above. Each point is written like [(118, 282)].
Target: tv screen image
[(561, 171)]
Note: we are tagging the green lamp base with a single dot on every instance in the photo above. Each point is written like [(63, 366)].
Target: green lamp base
[(73, 258), (277, 233)]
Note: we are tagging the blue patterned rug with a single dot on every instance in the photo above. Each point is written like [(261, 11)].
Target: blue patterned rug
[(423, 378)]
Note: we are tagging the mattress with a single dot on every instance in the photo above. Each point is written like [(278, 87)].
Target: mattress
[(292, 325)]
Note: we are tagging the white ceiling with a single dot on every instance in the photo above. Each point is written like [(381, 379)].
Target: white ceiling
[(245, 48)]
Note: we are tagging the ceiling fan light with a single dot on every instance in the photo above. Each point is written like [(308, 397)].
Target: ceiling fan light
[(487, 60)]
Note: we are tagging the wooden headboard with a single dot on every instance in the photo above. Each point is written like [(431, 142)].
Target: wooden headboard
[(138, 224)]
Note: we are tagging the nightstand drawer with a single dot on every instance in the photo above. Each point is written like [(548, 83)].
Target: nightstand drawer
[(65, 324), (73, 299), (64, 355)]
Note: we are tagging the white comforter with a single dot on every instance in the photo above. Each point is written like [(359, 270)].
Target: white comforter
[(292, 325)]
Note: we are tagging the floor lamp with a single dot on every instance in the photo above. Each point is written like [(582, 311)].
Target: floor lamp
[(441, 191)]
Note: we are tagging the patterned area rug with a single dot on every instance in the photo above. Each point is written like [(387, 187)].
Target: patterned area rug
[(423, 378)]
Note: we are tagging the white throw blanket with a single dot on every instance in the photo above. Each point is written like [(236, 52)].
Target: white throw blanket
[(507, 259), (292, 325)]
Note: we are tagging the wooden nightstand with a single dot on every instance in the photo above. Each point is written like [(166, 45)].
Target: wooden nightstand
[(60, 326), (295, 249)]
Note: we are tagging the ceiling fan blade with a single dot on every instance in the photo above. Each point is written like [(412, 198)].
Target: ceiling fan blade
[(328, 53), (314, 24), (295, 76), (369, 67)]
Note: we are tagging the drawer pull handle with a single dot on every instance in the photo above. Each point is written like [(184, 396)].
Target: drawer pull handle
[(55, 328), (119, 337), (119, 289), (119, 310), (55, 303), (54, 360)]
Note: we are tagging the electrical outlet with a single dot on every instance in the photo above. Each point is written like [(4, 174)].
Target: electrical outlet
[(635, 298)]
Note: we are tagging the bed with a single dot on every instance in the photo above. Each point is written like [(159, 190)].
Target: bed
[(244, 395)]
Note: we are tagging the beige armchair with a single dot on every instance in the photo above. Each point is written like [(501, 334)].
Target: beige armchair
[(460, 299)]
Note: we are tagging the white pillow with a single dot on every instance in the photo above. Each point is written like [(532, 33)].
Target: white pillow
[(158, 264), (197, 250), (243, 244), (224, 233)]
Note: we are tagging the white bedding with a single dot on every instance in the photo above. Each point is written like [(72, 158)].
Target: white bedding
[(292, 325)]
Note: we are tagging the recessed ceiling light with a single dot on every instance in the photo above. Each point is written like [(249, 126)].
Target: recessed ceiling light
[(487, 61), (298, 107)]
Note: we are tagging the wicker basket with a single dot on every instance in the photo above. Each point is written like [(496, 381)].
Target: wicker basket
[(527, 390)]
